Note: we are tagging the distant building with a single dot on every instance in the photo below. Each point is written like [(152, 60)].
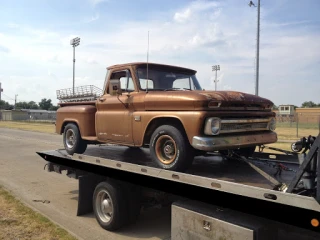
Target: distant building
[(286, 110), (27, 114), (36, 114), (14, 115)]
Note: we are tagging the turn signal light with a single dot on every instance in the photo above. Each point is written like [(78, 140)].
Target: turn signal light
[(315, 222)]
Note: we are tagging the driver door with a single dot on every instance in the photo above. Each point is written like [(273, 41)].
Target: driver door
[(114, 113)]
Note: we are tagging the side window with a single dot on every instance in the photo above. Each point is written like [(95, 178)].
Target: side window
[(143, 83), (126, 80), (183, 83)]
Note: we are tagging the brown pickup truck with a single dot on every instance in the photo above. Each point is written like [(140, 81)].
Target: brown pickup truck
[(164, 108)]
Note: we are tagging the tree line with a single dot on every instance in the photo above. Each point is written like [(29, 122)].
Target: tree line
[(44, 104)]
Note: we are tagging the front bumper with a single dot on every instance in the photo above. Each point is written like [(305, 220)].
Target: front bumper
[(232, 142)]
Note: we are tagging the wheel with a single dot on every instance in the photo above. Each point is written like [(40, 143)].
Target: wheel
[(109, 205), (170, 148), (296, 147), (72, 141)]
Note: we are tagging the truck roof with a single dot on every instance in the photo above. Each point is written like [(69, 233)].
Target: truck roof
[(151, 64)]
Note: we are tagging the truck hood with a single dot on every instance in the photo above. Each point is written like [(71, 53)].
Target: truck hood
[(199, 100)]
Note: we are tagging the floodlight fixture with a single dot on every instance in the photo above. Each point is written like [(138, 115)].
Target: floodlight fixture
[(216, 68), (74, 42)]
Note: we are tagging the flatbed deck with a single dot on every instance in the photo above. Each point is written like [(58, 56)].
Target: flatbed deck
[(211, 172)]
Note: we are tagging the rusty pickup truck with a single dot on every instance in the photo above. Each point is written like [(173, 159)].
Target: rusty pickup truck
[(164, 108)]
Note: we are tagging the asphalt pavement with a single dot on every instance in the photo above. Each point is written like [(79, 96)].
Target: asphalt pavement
[(55, 195)]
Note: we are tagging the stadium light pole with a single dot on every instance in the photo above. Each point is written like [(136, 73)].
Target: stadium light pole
[(74, 42), (216, 68), (258, 42)]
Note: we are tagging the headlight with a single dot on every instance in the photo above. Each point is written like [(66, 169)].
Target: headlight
[(272, 124), (212, 126)]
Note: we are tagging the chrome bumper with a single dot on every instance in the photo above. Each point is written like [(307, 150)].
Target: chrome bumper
[(232, 142)]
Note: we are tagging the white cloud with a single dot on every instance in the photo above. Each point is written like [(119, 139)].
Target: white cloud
[(13, 25), (226, 87), (194, 8), (96, 2), (182, 16), (91, 61), (93, 18)]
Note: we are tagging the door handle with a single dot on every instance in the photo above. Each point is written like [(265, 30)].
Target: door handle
[(102, 99)]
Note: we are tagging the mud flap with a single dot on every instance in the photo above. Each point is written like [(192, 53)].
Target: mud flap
[(87, 184)]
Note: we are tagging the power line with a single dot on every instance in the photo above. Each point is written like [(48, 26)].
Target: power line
[(7, 96)]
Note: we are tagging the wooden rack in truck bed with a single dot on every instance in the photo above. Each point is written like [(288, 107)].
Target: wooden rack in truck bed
[(266, 196)]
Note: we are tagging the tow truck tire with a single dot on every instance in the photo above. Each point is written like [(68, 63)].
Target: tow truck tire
[(72, 141), (110, 205), (170, 148)]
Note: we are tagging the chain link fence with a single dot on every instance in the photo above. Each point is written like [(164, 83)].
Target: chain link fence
[(300, 121)]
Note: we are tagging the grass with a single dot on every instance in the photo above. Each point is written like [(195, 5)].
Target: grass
[(287, 133), (280, 145), (29, 126), (20, 222)]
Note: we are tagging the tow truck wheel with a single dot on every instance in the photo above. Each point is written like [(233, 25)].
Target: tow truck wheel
[(72, 141), (170, 148), (109, 205)]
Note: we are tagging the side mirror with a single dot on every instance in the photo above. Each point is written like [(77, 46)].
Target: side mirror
[(115, 87)]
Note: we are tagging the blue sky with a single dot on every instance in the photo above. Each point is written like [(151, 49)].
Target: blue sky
[(36, 56)]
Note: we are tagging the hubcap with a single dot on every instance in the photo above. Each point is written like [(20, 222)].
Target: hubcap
[(166, 149), (70, 138), (104, 206)]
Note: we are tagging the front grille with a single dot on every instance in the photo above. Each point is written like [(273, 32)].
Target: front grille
[(243, 125)]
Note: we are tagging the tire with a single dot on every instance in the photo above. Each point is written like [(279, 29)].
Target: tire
[(170, 149), (296, 147), (110, 205), (72, 141)]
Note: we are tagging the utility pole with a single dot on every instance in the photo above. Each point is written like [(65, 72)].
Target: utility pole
[(258, 43), (1, 90), (216, 68), (15, 100), (74, 42)]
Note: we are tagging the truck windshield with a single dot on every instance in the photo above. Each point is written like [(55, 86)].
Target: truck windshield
[(166, 79)]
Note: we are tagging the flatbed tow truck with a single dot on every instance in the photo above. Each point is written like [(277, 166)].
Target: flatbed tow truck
[(266, 196)]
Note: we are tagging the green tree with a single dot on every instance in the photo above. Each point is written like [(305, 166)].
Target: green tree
[(33, 105), (45, 104), (308, 104), (54, 108), (5, 105)]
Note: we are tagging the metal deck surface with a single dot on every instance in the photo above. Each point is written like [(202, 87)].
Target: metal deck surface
[(212, 172)]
